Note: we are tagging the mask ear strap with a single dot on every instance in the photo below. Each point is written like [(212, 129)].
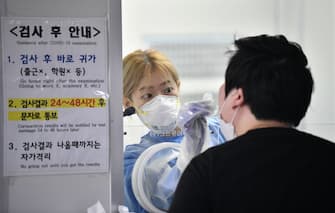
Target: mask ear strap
[(139, 110), (233, 92), (234, 115)]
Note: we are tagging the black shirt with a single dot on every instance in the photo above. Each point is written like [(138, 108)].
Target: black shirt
[(265, 170)]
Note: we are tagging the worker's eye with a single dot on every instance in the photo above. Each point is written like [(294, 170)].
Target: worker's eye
[(168, 90), (147, 96)]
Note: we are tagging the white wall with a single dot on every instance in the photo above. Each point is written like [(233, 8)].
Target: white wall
[(143, 17), (319, 44), (311, 23), (71, 193)]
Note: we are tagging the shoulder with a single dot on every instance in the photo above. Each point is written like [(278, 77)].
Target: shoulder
[(315, 138), (318, 146), (262, 142), (209, 158)]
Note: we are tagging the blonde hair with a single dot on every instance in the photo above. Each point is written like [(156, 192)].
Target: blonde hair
[(140, 64)]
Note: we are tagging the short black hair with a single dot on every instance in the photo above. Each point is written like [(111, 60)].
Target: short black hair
[(274, 76)]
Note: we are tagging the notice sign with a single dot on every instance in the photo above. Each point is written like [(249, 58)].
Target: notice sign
[(55, 95)]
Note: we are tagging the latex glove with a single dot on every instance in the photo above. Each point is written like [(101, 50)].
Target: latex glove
[(193, 110), (192, 120)]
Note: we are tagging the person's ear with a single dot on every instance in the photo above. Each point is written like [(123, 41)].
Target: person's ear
[(127, 102), (238, 98)]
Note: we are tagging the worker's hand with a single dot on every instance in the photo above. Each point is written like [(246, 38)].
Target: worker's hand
[(191, 111), (192, 120)]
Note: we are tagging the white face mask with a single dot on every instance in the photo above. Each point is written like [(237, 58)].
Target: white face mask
[(160, 113), (227, 128)]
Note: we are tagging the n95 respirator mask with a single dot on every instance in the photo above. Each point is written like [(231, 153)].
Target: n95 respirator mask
[(160, 114)]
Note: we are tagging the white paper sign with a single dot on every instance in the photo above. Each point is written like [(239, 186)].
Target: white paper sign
[(55, 95)]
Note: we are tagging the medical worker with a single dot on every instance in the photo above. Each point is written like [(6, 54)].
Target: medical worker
[(151, 86)]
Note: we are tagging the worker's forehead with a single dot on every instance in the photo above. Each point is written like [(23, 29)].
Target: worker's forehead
[(155, 80)]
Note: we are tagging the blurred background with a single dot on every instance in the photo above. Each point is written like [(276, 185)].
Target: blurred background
[(195, 35)]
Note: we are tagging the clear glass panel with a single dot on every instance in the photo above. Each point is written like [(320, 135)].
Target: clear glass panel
[(196, 33)]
